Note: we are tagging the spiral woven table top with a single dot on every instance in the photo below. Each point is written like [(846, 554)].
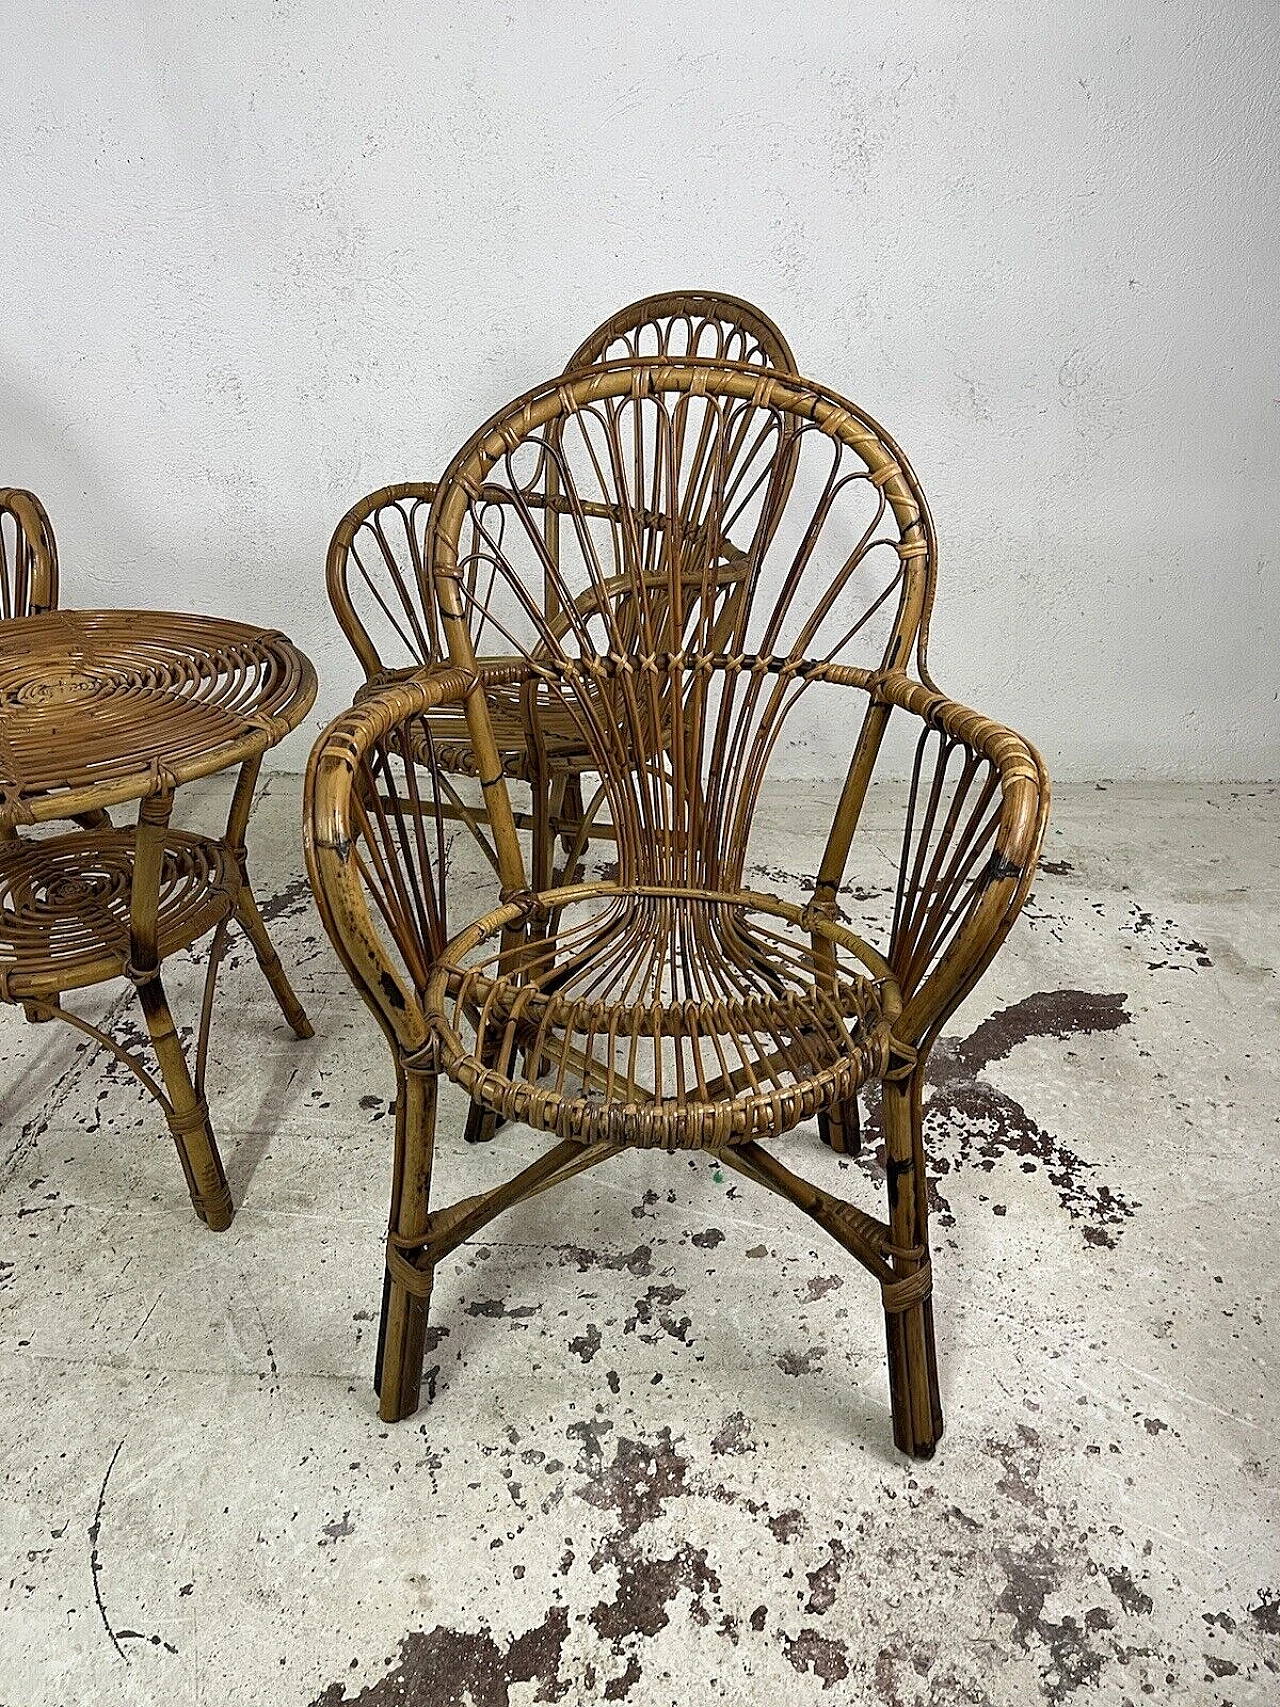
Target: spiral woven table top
[(99, 707)]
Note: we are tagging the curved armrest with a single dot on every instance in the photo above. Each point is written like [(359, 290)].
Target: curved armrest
[(976, 817), (375, 846)]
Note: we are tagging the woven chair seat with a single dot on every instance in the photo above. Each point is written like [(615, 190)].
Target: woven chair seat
[(450, 745), (660, 1018), (64, 905)]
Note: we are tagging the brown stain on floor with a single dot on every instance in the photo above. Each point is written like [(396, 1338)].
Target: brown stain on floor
[(450, 1668), (1066, 1602), (971, 1123)]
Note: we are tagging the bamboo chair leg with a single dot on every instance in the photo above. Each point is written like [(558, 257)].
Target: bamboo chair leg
[(571, 813), (840, 1127), (483, 1123), (547, 801), (913, 1363), (187, 1112), (545, 795), (188, 1115), (403, 1328)]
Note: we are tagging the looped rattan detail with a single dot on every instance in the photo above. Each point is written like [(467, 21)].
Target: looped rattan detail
[(686, 323)]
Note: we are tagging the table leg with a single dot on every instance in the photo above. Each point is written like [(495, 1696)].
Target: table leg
[(247, 915), (188, 1114)]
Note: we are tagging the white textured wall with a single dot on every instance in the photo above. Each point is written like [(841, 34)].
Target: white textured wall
[(260, 258)]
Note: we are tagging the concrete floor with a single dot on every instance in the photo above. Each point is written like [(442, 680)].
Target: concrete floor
[(657, 1467)]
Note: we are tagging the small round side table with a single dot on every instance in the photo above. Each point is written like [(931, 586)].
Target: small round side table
[(102, 707)]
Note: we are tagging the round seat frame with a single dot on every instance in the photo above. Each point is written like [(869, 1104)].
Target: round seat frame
[(783, 1039)]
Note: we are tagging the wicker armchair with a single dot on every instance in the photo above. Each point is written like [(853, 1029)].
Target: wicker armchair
[(29, 581), (382, 596), (28, 555), (672, 1007)]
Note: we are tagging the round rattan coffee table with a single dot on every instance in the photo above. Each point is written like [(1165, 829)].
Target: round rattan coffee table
[(102, 707)]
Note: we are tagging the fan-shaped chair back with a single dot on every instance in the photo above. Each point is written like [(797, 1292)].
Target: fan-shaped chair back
[(378, 581), (725, 538)]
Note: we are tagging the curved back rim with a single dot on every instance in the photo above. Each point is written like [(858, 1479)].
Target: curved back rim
[(791, 393), (674, 304), (548, 405), (41, 570)]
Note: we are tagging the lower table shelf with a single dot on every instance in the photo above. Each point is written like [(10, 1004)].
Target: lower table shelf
[(64, 905)]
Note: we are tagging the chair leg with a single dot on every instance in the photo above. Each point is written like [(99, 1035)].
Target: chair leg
[(188, 1114), (403, 1329), (913, 1362), (546, 800), (247, 915), (840, 1127), (483, 1123), (494, 1047), (571, 812)]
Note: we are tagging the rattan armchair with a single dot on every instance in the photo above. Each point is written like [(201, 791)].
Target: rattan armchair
[(28, 586), (381, 591), (672, 1007), (29, 577), (28, 555)]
